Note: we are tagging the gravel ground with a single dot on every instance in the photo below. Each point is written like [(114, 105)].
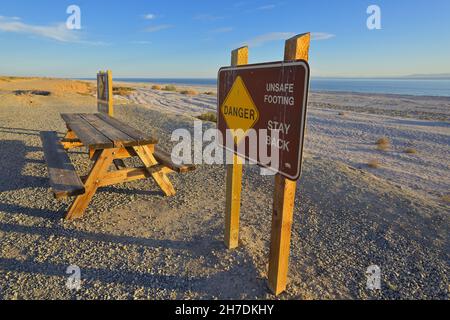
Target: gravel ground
[(134, 243)]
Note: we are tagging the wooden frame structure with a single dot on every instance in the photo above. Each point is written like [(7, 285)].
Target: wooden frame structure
[(108, 140), (296, 48)]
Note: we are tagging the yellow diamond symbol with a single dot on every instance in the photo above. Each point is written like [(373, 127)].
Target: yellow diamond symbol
[(239, 110)]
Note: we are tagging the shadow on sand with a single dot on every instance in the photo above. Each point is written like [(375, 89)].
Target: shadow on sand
[(219, 284)]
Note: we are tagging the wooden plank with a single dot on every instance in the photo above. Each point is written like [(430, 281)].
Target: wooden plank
[(297, 48), (233, 203), (160, 168), (280, 237), (234, 176), (129, 175), (87, 134), (119, 138), (92, 183), (71, 141), (70, 135), (284, 196), (123, 153), (110, 94), (139, 136), (160, 177), (64, 180), (71, 144), (166, 159), (123, 176), (239, 56)]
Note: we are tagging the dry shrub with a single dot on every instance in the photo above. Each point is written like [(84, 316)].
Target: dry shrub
[(383, 140), (209, 116), (156, 87), (342, 114), (170, 87), (446, 198), (383, 144), (375, 164), (10, 79), (189, 92), (62, 87), (123, 91), (209, 93), (410, 151)]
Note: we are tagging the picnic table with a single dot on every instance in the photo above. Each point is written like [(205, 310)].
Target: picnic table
[(109, 141)]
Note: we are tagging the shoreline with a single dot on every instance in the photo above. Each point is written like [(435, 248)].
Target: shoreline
[(316, 91), (312, 90)]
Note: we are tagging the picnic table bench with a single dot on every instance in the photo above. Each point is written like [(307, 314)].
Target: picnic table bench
[(109, 141)]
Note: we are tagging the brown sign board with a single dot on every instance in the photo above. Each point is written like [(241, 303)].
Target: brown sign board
[(266, 97), (104, 92)]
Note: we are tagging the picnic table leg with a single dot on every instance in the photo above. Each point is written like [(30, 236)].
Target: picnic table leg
[(70, 135), (146, 156), (71, 141), (99, 169)]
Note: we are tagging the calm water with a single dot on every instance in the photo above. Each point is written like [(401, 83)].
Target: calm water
[(388, 86), (393, 86)]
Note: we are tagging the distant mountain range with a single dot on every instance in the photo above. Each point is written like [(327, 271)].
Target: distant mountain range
[(440, 76)]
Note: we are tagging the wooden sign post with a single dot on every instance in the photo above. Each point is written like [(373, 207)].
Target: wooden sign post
[(246, 100), (239, 57), (284, 196), (105, 93)]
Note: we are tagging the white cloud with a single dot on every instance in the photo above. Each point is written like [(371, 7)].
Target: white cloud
[(267, 7), (158, 28), (278, 36), (149, 16), (58, 32), (222, 30), (321, 36)]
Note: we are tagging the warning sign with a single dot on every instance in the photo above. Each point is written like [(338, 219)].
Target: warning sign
[(269, 99), (239, 110)]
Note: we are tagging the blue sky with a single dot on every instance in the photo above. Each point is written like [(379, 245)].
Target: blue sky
[(193, 38)]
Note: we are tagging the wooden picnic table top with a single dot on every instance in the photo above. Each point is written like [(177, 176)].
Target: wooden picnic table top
[(100, 131)]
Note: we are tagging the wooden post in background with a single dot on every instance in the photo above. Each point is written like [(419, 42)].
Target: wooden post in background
[(284, 195), (110, 94), (234, 176), (106, 106)]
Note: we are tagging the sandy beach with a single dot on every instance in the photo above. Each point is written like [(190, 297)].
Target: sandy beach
[(136, 244), (345, 127)]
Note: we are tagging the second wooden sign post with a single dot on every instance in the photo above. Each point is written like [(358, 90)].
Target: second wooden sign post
[(246, 100)]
